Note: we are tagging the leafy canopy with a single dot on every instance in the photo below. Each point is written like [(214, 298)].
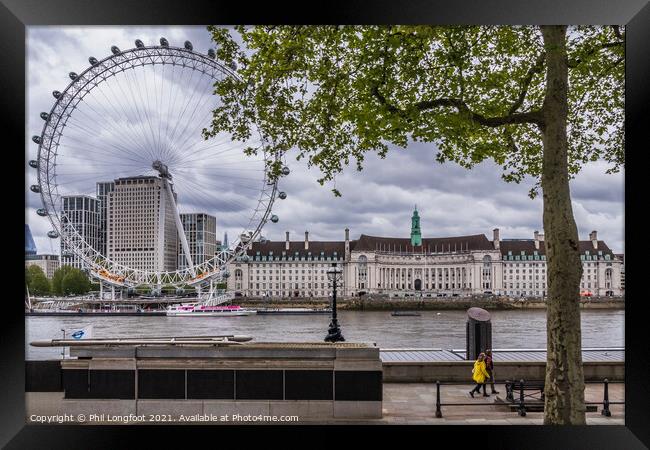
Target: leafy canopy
[(38, 283), (75, 282), (57, 278), (333, 93)]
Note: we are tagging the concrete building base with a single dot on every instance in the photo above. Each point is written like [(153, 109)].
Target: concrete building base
[(258, 382)]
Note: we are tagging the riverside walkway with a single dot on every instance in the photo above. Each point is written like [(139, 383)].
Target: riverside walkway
[(415, 404)]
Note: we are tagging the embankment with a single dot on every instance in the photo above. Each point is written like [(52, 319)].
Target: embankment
[(385, 303)]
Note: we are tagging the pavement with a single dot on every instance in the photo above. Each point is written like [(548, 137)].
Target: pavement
[(415, 404)]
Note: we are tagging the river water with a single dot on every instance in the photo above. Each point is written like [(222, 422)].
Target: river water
[(433, 329)]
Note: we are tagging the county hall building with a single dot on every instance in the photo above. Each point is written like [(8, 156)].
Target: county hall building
[(428, 267)]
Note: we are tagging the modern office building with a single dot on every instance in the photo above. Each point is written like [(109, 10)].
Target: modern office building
[(79, 222), (47, 263), (103, 189), (141, 229), (445, 266), (201, 232), (30, 245)]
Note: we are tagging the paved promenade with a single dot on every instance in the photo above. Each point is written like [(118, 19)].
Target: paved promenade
[(415, 404)]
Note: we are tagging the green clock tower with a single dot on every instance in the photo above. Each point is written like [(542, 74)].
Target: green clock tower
[(416, 233)]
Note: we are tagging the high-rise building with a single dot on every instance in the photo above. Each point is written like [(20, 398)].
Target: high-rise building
[(103, 188), (141, 228), (80, 221), (30, 246), (224, 245), (201, 232)]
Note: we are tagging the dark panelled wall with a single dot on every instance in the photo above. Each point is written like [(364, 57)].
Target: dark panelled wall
[(47, 376)]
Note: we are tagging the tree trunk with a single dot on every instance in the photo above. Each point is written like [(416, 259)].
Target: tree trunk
[(564, 393)]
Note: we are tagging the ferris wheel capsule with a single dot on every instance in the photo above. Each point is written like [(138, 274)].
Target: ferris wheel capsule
[(282, 195), (41, 212), (44, 116), (244, 258), (285, 170), (164, 42), (274, 218), (73, 76), (36, 139), (139, 43), (52, 234), (115, 50), (33, 164), (92, 60), (188, 45), (233, 65), (35, 188), (212, 54), (56, 94)]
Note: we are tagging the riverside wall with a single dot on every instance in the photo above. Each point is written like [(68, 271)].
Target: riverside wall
[(375, 302), (185, 383)]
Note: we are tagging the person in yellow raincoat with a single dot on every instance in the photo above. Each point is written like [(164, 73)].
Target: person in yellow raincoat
[(479, 375)]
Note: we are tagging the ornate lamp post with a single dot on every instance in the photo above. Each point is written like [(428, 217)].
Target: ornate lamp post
[(334, 274)]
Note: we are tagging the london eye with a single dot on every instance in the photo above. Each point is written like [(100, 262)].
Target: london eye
[(136, 116)]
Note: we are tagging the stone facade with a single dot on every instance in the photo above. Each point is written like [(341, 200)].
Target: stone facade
[(450, 266), (47, 263)]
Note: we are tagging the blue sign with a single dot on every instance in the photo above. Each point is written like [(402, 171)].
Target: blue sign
[(78, 334)]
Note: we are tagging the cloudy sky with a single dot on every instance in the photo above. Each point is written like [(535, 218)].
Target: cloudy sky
[(377, 201)]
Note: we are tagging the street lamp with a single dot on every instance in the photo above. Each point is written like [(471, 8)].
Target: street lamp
[(334, 274)]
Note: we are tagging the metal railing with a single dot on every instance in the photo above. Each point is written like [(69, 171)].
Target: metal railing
[(521, 403)]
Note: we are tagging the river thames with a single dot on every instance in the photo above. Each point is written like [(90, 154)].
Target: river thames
[(442, 329)]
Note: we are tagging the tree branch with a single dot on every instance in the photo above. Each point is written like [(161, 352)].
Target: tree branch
[(535, 69), (462, 108), (577, 61)]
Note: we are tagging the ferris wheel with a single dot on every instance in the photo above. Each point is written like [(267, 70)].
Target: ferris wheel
[(126, 135)]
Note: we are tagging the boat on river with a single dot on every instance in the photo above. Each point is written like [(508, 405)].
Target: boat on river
[(405, 313), (198, 310)]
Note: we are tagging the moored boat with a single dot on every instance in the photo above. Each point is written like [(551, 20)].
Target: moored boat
[(405, 313), (197, 310)]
